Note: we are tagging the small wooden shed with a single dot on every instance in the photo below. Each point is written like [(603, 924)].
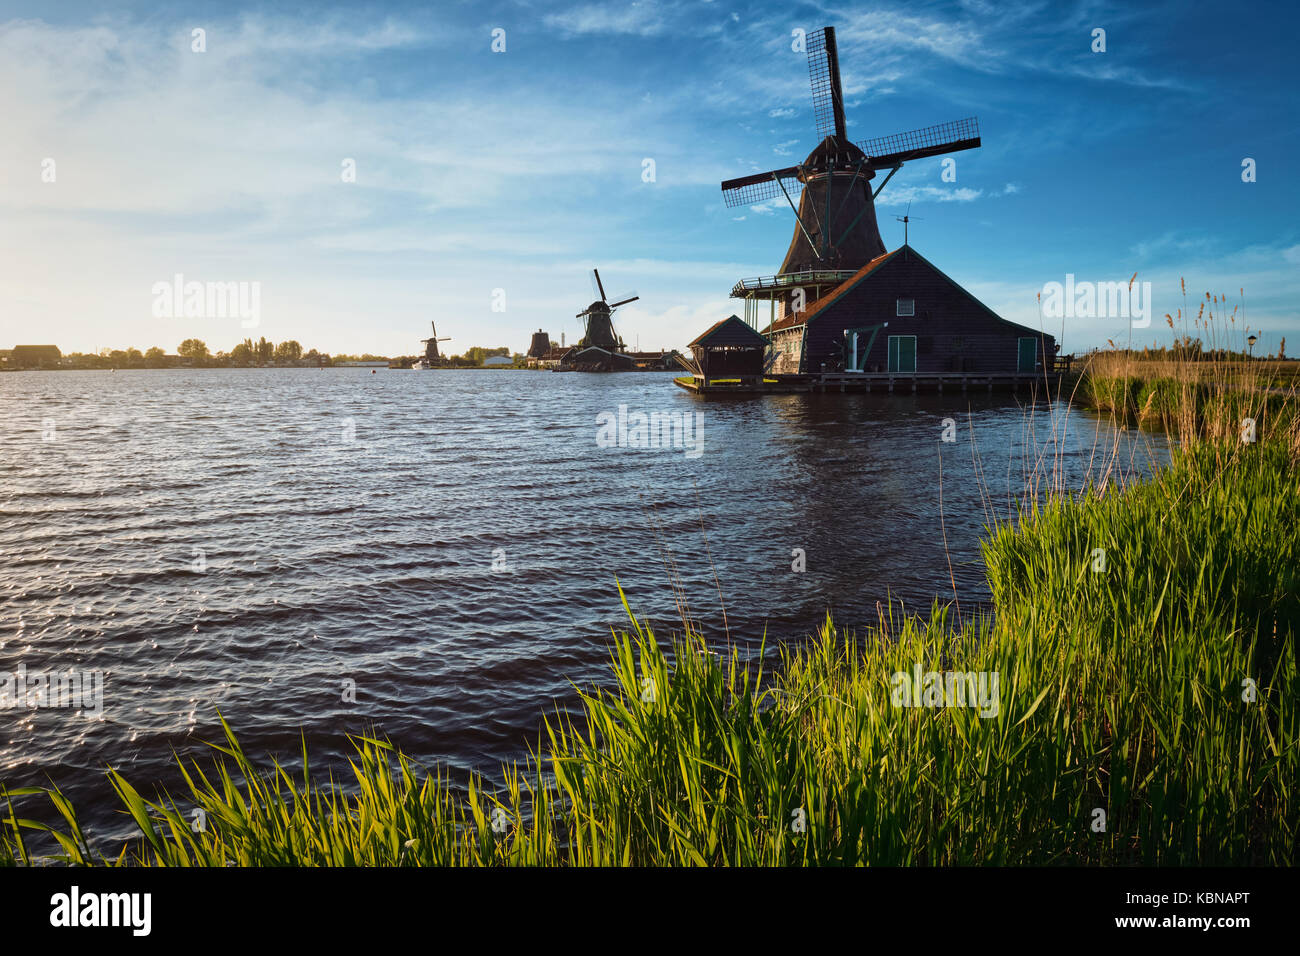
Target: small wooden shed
[(730, 349)]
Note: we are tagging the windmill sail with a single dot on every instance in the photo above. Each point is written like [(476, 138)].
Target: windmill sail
[(748, 190), (824, 72), (951, 137)]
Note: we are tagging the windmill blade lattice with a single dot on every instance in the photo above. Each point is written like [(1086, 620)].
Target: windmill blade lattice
[(824, 72), (919, 143), (748, 190)]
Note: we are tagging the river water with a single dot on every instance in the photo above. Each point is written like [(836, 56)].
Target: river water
[(448, 543)]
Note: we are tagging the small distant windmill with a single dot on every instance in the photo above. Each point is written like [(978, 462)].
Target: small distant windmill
[(598, 319), (836, 226), (905, 218), (431, 354)]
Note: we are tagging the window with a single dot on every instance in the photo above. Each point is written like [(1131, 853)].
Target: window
[(906, 307)]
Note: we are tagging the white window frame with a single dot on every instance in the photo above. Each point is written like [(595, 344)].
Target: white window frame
[(898, 308)]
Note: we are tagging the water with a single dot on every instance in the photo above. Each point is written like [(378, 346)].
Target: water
[(249, 540)]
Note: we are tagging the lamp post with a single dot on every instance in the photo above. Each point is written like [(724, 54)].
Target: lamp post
[(1251, 340)]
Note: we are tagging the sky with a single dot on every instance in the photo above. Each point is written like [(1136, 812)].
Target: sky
[(489, 182)]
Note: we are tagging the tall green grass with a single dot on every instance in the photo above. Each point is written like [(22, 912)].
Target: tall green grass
[(1124, 689)]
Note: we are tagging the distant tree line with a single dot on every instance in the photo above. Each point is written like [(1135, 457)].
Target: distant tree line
[(195, 352), (249, 354)]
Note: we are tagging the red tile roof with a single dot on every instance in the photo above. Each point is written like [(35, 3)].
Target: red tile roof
[(810, 311)]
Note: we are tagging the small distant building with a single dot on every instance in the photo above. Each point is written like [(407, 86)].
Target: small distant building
[(654, 361), (549, 359), (35, 356), (593, 358), (729, 349), (496, 361)]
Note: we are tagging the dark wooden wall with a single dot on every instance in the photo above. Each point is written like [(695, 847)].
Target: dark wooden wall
[(729, 362), (954, 333)]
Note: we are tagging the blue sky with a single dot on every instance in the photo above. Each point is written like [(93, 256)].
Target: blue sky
[(519, 171)]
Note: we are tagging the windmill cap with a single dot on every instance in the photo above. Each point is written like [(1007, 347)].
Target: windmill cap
[(830, 154)]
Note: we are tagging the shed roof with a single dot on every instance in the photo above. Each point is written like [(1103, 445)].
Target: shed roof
[(730, 332)]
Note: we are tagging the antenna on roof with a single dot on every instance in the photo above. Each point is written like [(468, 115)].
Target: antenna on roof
[(905, 219)]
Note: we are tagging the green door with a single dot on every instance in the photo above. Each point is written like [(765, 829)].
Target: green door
[(1026, 355), (902, 353)]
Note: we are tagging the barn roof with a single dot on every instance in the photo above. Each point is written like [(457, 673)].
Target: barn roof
[(730, 332), (813, 308)]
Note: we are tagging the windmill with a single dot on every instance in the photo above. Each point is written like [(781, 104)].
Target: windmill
[(597, 319), (431, 355), (835, 223), (540, 345)]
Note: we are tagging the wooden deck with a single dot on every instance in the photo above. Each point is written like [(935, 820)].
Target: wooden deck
[(867, 382)]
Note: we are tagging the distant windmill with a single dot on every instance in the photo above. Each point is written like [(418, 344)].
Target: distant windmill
[(540, 345), (598, 321), (905, 218), (431, 345), (836, 225)]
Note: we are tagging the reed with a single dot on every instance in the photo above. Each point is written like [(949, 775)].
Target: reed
[(1204, 386)]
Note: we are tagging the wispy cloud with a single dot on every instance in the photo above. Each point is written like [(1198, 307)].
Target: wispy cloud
[(640, 18), (903, 194)]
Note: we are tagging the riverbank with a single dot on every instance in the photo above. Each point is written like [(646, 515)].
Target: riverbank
[(1144, 710)]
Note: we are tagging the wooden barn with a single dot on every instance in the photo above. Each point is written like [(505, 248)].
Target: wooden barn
[(901, 314)]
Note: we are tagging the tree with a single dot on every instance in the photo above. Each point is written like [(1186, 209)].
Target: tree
[(193, 349), (288, 352), (134, 358), (264, 350), (155, 358), (1281, 348), (242, 354)]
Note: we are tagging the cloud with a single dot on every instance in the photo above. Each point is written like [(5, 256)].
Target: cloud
[(768, 206), (636, 19), (783, 113), (901, 194), (1171, 243)]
